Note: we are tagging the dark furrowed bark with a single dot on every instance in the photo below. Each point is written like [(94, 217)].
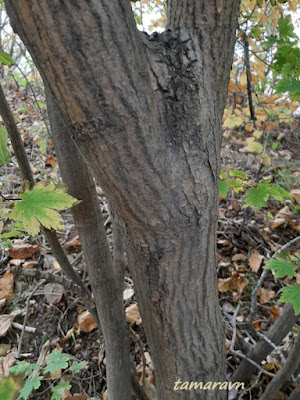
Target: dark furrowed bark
[(106, 284), (146, 115)]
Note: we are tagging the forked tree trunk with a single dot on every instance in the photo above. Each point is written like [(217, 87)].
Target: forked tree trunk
[(146, 115)]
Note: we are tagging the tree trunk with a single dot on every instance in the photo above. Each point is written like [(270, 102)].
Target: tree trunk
[(146, 115), (105, 281)]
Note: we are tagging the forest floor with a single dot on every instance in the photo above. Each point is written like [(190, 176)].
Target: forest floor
[(246, 239)]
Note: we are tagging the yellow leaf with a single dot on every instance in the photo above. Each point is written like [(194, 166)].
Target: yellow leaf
[(257, 134), (249, 128), (253, 146), (266, 160), (272, 99), (239, 121), (270, 125)]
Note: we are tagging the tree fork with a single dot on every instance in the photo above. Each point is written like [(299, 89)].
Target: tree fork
[(146, 115)]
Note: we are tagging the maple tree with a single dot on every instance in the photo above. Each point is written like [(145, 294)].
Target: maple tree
[(262, 94)]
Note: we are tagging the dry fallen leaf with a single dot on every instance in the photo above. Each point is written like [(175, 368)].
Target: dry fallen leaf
[(227, 344), (50, 262), (296, 195), (86, 322), (7, 286), (72, 243), (256, 324), (255, 261), (76, 397), (50, 161), (133, 315), (17, 262), (265, 295), (275, 312), (7, 362), (276, 222), (54, 292), (6, 320), (280, 218), (236, 282), (238, 257), (22, 250), (30, 264)]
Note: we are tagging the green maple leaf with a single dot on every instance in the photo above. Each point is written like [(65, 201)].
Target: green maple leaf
[(223, 188), (286, 28), (58, 390), (29, 386), (288, 85), (4, 153), (291, 294), (282, 268), (77, 366), (20, 368), (236, 185), (56, 360), (38, 206), (257, 197), (238, 174), (279, 193), (6, 59)]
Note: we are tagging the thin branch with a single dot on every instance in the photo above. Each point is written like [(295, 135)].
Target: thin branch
[(284, 373), (47, 276), (241, 355), (249, 79), (26, 317)]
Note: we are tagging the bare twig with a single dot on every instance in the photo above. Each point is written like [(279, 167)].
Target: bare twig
[(48, 276), (249, 79), (241, 355), (233, 323), (248, 390), (28, 329), (237, 353), (26, 317), (269, 341), (284, 373), (259, 352)]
